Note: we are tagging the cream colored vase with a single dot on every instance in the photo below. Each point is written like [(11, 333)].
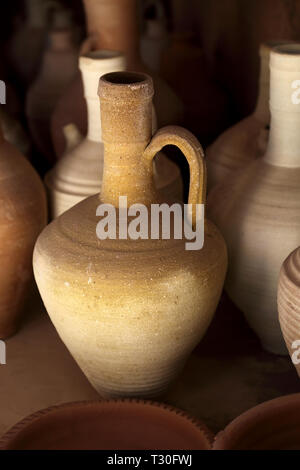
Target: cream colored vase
[(288, 300), (258, 208), (129, 310), (79, 173), (246, 140)]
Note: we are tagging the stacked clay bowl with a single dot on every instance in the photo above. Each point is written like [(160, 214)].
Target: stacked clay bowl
[(108, 425), (273, 425)]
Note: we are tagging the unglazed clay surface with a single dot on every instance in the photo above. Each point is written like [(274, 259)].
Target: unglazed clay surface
[(289, 304), (258, 208), (130, 311), (22, 217)]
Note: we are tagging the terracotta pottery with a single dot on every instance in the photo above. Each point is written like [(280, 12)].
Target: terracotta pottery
[(111, 25), (272, 425), (129, 310), (104, 425), (23, 215), (258, 208), (58, 68), (246, 140), (288, 300), (79, 173)]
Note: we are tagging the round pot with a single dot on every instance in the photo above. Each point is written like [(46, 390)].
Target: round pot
[(108, 425), (273, 425), (288, 300)]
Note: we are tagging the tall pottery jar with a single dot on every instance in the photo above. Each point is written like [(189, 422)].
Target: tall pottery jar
[(79, 173), (59, 66), (258, 208), (288, 299), (23, 215), (111, 25), (130, 310), (246, 140)]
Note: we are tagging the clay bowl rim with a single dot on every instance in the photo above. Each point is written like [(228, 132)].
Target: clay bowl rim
[(14, 431), (238, 427)]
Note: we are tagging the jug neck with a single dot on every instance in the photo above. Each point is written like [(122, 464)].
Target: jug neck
[(126, 115), (92, 66), (284, 141), (115, 22)]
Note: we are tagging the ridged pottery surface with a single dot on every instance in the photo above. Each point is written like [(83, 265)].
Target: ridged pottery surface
[(130, 311), (22, 217), (79, 173), (258, 208), (108, 425), (289, 305), (111, 25), (58, 68), (273, 425), (246, 140)]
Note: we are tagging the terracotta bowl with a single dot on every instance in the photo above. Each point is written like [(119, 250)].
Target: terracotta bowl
[(273, 425), (108, 425)]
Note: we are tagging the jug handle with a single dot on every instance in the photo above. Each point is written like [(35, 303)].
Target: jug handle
[(193, 152)]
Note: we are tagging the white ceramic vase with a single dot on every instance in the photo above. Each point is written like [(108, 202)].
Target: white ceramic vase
[(258, 207)]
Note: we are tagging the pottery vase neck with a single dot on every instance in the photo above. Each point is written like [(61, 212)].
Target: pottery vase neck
[(284, 142), (262, 110), (93, 65), (59, 61), (126, 116), (115, 24)]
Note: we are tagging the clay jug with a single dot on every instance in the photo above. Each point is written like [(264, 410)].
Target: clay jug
[(258, 208), (130, 311), (288, 300), (111, 25), (246, 140), (23, 216), (58, 68), (79, 173)]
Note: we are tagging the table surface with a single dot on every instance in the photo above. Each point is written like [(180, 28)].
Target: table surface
[(227, 373)]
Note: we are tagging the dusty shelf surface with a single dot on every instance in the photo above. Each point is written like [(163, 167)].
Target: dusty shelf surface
[(227, 373)]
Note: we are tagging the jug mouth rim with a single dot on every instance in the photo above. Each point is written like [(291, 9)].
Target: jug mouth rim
[(125, 86), (125, 78)]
